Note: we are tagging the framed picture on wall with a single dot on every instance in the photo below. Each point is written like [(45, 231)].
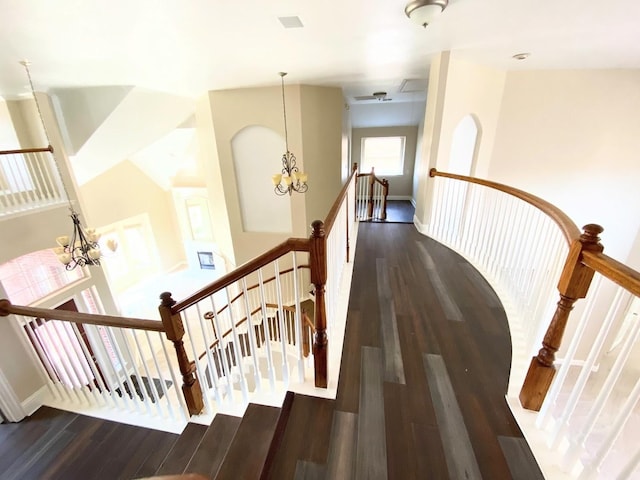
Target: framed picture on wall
[(206, 260)]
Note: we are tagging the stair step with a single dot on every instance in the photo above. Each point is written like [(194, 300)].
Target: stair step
[(250, 446), (183, 450), (214, 446), (278, 434)]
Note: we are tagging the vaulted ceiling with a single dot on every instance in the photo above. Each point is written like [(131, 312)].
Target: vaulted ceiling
[(189, 47)]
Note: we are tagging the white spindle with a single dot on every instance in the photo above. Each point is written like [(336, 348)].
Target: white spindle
[(267, 331), (208, 342), (251, 334), (163, 383), (237, 353), (298, 321), (285, 361), (578, 388), (143, 361), (116, 350), (194, 351), (176, 386)]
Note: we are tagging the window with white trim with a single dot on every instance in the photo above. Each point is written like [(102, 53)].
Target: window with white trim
[(385, 154)]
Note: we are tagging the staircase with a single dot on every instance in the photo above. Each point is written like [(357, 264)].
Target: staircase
[(230, 447)]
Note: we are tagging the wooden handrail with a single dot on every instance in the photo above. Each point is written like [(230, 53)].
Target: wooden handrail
[(569, 229), (252, 287), (240, 322), (27, 150), (617, 272), (7, 308), (335, 208), (289, 245)]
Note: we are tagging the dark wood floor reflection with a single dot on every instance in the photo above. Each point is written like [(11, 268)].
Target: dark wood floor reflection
[(400, 211), (424, 372)]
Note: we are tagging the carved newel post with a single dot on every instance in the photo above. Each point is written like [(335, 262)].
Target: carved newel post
[(574, 284), (318, 261), (175, 331)]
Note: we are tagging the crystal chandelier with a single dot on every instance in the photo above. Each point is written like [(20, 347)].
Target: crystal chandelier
[(81, 248), (291, 179)]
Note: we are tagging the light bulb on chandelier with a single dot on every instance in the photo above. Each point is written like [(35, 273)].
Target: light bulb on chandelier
[(291, 179), (81, 248)]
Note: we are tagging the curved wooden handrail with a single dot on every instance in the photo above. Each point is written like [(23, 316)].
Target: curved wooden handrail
[(27, 150), (335, 208), (253, 287), (569, 229), (617, 272), (241, 321), (7, 308), (289, 245)]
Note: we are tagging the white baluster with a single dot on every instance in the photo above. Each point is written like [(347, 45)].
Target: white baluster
[(163, 382), (201, 375), (237, 353), (176, 386)]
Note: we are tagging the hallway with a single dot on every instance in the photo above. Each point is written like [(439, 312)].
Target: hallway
[(424, 373)]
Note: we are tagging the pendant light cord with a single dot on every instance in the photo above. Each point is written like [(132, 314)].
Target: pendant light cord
[(25, 64), (284, 110)]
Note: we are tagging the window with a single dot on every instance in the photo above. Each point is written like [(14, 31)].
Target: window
[(35, 275), (385, 154)]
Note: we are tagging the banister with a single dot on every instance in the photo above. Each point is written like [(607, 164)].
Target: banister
[(617, 272), (27, 150), (7, 308), (569, 229), (335, 208), (289, 245)]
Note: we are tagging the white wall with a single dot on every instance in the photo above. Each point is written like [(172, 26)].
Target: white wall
[(571, 137)]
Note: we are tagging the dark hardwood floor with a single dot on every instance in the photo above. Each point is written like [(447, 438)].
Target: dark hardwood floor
[(424, 373), (400, 211)]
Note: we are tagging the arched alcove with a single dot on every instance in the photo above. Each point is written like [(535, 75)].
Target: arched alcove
[(464, 143), (256, 152)]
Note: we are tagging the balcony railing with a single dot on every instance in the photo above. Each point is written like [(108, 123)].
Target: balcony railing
[(527, 248), (28, 180)]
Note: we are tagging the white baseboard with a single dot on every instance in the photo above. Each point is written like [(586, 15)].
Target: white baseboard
[(34, 402), (399, 197), (419, 225), (413, 202)]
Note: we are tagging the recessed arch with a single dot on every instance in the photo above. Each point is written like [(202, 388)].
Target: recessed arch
[(464, 146), (257, 153)]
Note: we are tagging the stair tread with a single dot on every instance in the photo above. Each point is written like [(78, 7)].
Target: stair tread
[(248, 450), (183, 450), (214, 445)]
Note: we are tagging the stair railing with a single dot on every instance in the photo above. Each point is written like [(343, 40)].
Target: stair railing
[(225, 319), (371, 203), (101, 361), (525, 247), (28, 180)]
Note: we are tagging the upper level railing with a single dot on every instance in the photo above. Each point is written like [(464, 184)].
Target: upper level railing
[(245, 329), (371, 200), (527, 248), (28, 179)]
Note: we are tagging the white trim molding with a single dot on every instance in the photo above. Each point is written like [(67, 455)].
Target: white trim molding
[(34, 402), (11, 407)]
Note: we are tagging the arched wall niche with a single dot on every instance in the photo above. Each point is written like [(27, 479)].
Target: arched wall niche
[(256, 152), (464, 146)]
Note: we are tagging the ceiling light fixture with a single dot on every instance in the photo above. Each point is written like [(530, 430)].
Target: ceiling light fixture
[(423, 12), (521, 56), (81, 248), (291, 179)]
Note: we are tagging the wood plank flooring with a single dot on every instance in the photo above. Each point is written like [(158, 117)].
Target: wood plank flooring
[(425, 365), (424, 372)]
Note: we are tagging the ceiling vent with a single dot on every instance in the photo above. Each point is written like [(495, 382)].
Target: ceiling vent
[(291, 22)]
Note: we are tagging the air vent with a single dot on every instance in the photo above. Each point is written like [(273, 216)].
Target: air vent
[(291, 22)]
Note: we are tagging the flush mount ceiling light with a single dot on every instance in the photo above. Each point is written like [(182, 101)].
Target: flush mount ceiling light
[(423, 12), (521, 56)]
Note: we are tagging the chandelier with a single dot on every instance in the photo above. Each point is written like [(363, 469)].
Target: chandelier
[(291, 179), (81, 248)]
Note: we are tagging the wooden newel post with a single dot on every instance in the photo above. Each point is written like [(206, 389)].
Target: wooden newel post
[(318, 261), (574, 284), (175, 331), (385, 193)]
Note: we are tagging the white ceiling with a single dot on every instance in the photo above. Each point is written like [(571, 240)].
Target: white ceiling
[(190, 46)]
